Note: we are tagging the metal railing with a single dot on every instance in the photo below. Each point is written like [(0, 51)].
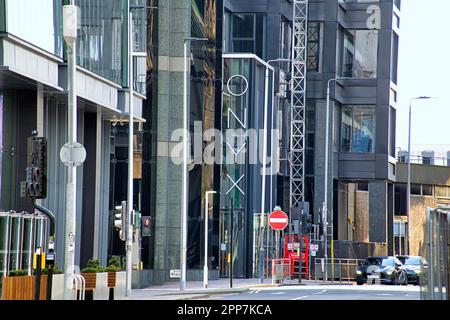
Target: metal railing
[(281, 270), (432, 161), (341, 270), (20, 235), (435, 277), (79, 285)]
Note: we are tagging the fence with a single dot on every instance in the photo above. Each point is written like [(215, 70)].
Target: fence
[(435, 278), (20, 235), (281, 270), (342, 270)]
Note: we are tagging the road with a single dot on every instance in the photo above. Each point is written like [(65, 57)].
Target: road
[(326, 292)]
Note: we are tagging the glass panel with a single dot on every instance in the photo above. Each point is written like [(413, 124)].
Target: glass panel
[(363, 130), (313, 46), (4, 245), (243, 26), (415, 189), (246, 46), (37, 22), (346, 129), (358, 129), (100, 40), (360, 50), (427, 190)]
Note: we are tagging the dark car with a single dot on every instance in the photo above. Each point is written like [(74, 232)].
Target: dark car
[(383, 270), (415, 267)]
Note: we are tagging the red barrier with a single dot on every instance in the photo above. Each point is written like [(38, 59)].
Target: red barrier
[(291, 252)]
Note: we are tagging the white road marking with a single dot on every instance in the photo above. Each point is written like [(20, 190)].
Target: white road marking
[(323, 291), (278, 293), (300, 298)]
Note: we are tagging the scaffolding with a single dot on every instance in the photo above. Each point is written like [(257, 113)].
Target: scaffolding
[(298, 102)]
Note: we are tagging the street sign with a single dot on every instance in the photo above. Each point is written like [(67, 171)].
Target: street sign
[(278, 220), (175, 274)]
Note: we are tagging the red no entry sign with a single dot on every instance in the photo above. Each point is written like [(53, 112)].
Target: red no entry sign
[(278, 220)]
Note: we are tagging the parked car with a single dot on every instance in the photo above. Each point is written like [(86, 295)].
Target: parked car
[(383, 270), (415, 266)]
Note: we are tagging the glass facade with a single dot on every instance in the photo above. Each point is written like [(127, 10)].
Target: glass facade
[(358, 129), (314, 46), (101, 43), (359, 54), (247, 33), (37, 22)]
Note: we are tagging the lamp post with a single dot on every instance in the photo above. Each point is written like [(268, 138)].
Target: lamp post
[(185, 196), (408, 169), (70, 21), (264, 164), (205, 268), (327, 146)]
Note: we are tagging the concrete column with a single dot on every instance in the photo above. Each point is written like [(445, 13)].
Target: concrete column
[(319, 156), (174, 26), (98, 198), (378, 214)]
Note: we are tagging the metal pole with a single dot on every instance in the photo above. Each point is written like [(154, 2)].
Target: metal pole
[(71, 197), (430, 214), (266, 111), (325, 202), (408, 187), (438, 253), (129, 242), (231, 241), (205, 268), (184, 209)]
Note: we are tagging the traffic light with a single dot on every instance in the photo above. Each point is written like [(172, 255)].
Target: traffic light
[(306, 223), (35, 186), (146, 226), (121, 220)]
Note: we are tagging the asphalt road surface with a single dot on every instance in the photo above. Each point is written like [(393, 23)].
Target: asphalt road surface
[(327, 292)]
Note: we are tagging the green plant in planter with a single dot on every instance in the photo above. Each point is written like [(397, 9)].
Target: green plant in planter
[(114, 264), (56, 270), (18, 273), (93, 266)]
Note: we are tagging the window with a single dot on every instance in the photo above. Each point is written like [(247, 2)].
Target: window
[(310, 137), (314, 46), (248, 32), (394, 58), (363, 186), (38, 22), (442, 192), (427, 190), (392, 131), (415, 189), (359, 54), (358, 129)]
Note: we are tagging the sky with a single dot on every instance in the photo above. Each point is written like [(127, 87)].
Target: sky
[(424, 70)]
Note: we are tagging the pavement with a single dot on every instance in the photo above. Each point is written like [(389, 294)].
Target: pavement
[(251, 289)]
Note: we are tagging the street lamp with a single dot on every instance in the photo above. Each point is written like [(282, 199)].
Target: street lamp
[(408, 191), (184, 196), (205, 268), (130, 188), (325, 202), (72, 149)]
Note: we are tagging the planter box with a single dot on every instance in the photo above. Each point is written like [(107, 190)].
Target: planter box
[(58, 287), (91, 281), (101, 291), (120, 290), (22, 288), (112, 279)]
